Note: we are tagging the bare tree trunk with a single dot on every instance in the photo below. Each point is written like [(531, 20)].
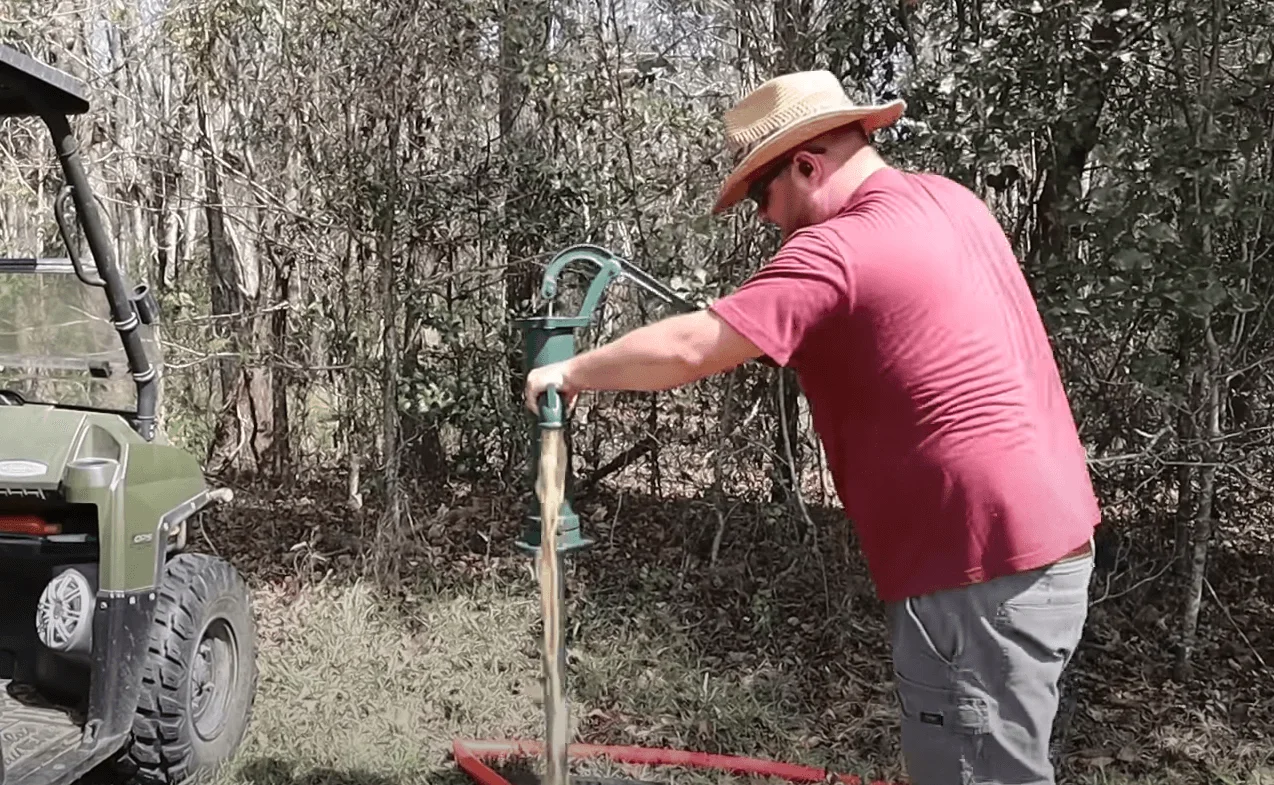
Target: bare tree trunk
[(388, 527), (523, 27), (286, 302), (227, 304), (1074, 137), (792, 31), (244, 425), (1186, 431), (280, 451), (787, 440), (1212, 384), (717, 493)]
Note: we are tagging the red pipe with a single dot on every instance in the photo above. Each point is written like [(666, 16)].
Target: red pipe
[(470, 753)]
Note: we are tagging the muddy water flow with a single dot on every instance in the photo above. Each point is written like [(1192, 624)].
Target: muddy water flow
[(551, 489)]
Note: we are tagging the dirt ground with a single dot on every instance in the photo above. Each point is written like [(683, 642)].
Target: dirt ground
[(774, 651)]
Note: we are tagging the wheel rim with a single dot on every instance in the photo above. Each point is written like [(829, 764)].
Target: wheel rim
[(213, 677)]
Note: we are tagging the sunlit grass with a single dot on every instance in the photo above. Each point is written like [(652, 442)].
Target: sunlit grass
[(353, 692)]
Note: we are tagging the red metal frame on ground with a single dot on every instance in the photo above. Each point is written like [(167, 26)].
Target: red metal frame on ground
[(470, 754)]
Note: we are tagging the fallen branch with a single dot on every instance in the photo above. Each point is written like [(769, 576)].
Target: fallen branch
[(619, 462), (1132, 588)]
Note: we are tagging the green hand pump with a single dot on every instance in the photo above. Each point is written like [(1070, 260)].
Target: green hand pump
[(551, 338)]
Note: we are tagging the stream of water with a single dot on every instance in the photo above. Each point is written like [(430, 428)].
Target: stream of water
[(551, 489)]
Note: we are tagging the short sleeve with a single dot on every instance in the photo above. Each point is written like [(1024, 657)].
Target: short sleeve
[(786, 301)]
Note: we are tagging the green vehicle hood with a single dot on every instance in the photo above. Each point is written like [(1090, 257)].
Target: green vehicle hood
[(37, 442), (151, 487)]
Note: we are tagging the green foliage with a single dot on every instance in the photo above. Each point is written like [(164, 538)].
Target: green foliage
[(412, 165), (394, 175)]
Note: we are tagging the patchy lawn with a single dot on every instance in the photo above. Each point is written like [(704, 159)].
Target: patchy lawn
[(765, 654)]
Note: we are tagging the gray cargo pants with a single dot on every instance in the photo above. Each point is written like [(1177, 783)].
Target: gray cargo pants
[(976, 671)]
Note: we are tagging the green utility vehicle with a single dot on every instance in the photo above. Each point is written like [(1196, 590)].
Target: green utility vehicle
[(119, 650)]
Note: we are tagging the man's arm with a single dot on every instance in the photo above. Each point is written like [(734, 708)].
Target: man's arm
[(658, 356), (805, 284)]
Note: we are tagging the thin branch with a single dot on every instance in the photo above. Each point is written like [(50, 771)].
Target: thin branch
[(1237, 628)]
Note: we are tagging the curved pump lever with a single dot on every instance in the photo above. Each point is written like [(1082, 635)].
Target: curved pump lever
[(609, 267)]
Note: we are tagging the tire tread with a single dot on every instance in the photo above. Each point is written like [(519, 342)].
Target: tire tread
[(160, 752)]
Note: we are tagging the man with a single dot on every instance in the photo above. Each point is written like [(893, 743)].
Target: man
[(898, 300)]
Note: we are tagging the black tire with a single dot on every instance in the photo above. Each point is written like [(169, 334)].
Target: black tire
[(202, 601)]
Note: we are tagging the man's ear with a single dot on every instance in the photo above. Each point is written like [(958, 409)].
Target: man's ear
[(805, 164)]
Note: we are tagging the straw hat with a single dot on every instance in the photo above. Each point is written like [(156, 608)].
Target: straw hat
[(786, 112)]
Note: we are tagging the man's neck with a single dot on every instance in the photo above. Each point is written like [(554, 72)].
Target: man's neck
[(862, 164)]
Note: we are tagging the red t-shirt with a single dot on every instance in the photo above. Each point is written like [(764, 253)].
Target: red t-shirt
[(931, 382)]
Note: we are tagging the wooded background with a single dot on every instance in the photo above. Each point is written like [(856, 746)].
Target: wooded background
[(342, 206)]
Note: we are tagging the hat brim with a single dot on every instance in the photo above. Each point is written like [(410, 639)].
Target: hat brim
[(873, 118)]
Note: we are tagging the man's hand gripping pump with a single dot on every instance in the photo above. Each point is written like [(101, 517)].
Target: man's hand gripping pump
[(555, 531)]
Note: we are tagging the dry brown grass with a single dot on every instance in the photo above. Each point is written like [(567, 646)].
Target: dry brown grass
[(349, 685), (356, 692), (758, 655)]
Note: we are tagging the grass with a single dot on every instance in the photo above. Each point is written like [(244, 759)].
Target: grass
[(762, 654), (355, 692), (348, 685), (352, 691)]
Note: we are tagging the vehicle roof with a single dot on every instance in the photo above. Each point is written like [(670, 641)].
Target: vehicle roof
[(20, 75)]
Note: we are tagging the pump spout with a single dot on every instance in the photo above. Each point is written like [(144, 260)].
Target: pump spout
[(551, 414)]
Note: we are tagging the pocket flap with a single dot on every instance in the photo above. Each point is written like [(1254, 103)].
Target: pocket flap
[(957, 709)]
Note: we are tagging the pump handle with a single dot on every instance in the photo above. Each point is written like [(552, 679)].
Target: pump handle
[(609, 266), (550, 408)]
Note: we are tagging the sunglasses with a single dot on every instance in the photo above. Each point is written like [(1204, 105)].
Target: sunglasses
[(759, 190)]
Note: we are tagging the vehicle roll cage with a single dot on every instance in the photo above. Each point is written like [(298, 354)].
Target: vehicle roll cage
[(29, 88)]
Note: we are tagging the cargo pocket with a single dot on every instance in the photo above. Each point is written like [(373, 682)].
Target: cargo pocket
[(943, 730)]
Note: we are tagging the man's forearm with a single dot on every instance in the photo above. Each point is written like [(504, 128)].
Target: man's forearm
[(653, 357), (669, 353)]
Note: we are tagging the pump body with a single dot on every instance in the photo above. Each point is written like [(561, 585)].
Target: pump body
[(551, 338)]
